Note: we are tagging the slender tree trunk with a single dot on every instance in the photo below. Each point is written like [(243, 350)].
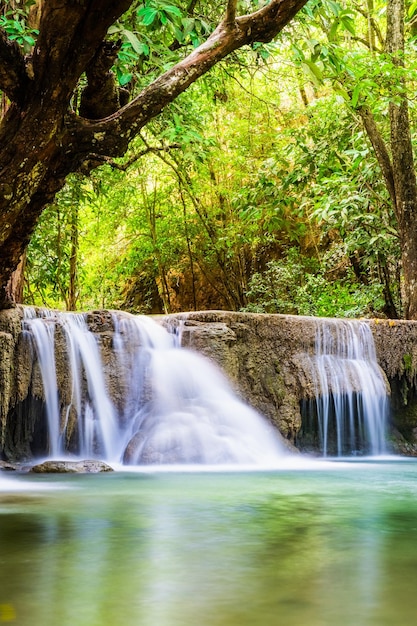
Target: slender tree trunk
[(403, 163), (73, 262), (150, 206), (371, 33), (397, 163), (17, 280), (189, 250)]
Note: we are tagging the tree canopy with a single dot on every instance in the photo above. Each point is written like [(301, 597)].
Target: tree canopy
[(282, 180), (65, 111)]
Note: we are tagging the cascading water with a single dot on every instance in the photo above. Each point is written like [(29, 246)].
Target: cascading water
[(350, 407), (172, 405), (43, 332), (96, 424)]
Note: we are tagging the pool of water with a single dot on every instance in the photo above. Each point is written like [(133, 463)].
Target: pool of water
[(317, 544)]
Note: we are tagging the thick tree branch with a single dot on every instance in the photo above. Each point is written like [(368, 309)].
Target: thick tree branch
[(263, 25), (43, 140), (68, 40), (13, 76), (101, 96)]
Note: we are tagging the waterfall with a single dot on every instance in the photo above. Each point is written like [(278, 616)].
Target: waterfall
[(143, 400), (43, 333), (89, 400), (350, 407)]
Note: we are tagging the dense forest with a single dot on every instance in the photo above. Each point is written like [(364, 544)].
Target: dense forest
[(281, 181)]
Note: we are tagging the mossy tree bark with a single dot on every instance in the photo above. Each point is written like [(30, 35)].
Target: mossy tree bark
[(42, 139)]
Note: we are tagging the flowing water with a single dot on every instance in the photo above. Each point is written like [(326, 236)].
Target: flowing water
[(296, 542), (351, 401), (177, 407), (317, 543)]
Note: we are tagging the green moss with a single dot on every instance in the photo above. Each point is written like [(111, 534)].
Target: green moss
[(408, 362)]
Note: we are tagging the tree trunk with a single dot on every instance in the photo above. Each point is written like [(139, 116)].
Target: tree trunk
[(17, 280), (73, 265), (42, 139), (397, 164), (403, 163)]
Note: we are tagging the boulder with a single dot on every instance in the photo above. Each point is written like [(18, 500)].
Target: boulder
[(71, 467)]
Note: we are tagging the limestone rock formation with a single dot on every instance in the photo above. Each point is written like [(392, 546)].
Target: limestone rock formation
[(264, 356)]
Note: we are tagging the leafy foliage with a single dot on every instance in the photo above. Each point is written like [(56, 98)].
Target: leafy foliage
[(301, 286), (14, 20), (259, 190)]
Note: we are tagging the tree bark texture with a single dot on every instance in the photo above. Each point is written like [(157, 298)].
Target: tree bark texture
[(403, 163), (397, 163), (42, 139)]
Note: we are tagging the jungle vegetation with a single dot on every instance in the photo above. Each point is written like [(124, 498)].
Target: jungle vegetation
[(281, 181)]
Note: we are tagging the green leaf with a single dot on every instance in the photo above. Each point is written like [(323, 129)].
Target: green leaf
[(114, 29), (333, 30), (355, 95), (412, 10), (167, 8), (147, 15), (334, 7), (179, 35), (188, 25), (342, 92), (28, 39), (124, 79), (315, 71), (348, 23), (137, 45)]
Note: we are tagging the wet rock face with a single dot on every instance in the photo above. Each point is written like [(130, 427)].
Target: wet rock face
[(264, 357), (396, 347), (7, 467)]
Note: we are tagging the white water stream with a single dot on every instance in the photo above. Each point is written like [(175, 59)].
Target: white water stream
[(177, 407), (351, 400), (157, 403)]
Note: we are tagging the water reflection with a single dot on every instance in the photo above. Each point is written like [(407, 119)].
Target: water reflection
[(317, 548)]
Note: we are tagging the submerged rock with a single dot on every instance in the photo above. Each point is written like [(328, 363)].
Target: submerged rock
[(71, 467), (8, 467)]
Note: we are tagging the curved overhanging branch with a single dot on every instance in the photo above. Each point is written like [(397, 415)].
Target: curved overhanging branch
[(263, 25), (13, 76), (43, 140), (112, 134)]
